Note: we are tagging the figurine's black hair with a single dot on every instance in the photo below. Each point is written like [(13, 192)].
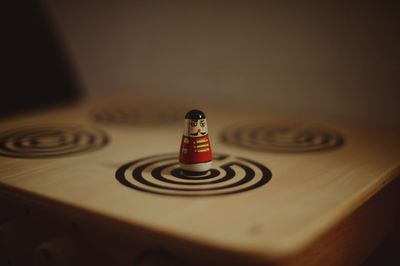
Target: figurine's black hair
[(195, 114)]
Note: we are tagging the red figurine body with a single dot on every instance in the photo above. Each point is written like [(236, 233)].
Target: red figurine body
[(195, 155)]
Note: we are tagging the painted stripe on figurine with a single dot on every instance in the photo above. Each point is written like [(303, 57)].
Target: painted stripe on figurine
[(202, 145)]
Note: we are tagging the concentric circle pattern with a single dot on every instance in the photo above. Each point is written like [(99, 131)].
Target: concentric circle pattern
[(136, 115), (46, 141), (285, 138), (161, 175)]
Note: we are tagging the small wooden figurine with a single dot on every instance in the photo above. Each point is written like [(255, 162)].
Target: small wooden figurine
[(195, 156)]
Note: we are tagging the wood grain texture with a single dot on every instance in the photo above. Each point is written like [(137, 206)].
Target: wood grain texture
[(309, 194)]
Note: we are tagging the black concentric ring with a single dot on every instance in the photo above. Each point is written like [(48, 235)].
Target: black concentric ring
[(46, 141), (286, 138), (161, 175)]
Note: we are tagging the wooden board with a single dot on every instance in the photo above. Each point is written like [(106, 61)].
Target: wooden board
[(287, 183)]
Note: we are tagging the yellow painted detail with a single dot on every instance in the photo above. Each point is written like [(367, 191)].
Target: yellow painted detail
[(201, 141), (203, 150), (202, 145)]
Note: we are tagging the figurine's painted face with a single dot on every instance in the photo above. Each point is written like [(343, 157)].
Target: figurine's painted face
[(195, 128)]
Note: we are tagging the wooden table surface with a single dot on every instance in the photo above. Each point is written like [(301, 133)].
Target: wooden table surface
[(321, 172)]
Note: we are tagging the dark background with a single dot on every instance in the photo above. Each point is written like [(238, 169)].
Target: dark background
[(325, 57), (329, 58), (36, 71)]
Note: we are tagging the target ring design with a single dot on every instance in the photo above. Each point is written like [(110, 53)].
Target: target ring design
[(285, 138), (46, 141), (161, 175)]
